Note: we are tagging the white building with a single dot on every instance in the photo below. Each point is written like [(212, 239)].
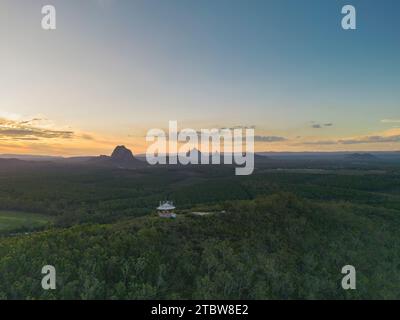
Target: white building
[(166, 209)]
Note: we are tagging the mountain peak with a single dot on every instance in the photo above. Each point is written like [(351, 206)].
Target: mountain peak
[(121, 153)]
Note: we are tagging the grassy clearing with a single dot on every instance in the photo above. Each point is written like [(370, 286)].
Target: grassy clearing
[(12, 221)]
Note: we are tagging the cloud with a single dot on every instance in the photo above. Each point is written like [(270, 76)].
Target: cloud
[(237, 127), (26, 130), (323, 142), (319, 126), (41, 136), (87, 136), (391, 136), (390, 121), (19, 139), (35, 132), (32, 121), (371, 139), (269, 139)]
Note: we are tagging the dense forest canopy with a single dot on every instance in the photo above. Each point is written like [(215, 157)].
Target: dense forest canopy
[(278, 234)]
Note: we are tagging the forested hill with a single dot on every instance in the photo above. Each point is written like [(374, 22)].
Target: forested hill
[(273, 247)]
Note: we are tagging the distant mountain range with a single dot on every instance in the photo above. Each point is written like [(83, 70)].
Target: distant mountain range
[(361, 157), (122, 157), (29, 157)]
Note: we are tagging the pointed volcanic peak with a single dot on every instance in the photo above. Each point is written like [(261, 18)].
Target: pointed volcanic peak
[(122, 154), (121, 157)]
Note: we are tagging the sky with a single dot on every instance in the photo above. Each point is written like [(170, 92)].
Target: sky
[(114, 69)]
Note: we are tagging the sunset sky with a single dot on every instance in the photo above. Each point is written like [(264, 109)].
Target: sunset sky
[(113, 69)]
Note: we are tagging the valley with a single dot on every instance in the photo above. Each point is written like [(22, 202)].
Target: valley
[(277, 234)]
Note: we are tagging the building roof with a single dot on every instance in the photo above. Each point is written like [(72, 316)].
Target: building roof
[(167, 205)]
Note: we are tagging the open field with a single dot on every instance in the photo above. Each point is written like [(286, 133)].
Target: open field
[(11, 221)]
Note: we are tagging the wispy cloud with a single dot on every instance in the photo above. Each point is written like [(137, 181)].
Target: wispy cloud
[(269, 139), (27, 130), (319, 126), (390, 121), (87, 136), (391, 136), (319, 143), (372, 139)]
